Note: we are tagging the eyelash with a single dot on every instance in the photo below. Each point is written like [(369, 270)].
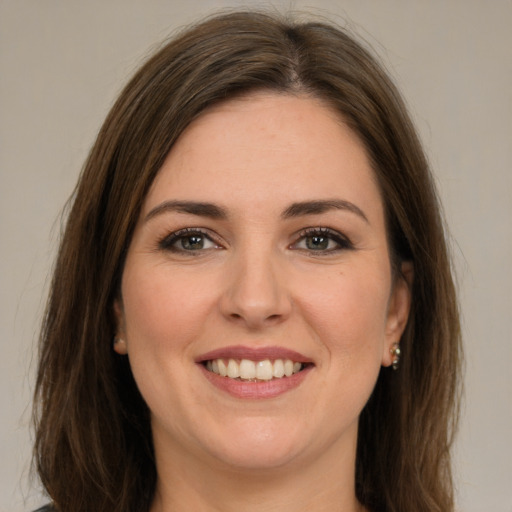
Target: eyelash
[(341, 241), (169, 241), (323, 233)]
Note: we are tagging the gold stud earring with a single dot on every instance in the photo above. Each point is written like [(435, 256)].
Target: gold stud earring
[(395, 353)]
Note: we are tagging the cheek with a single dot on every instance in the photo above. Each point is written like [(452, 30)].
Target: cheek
[(348, 311), (164, 313), (162, 308)]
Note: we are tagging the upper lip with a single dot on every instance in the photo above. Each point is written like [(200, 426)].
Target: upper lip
[(253, 354)]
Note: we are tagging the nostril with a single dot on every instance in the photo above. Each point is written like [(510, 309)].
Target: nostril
[(256, 321)]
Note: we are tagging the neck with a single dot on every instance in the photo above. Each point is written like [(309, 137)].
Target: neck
[(320, 485)]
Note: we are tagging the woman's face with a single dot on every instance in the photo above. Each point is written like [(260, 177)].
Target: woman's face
[(261, 249)]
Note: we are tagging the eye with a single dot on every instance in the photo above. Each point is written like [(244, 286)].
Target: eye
[(321, 240), (188, 240)]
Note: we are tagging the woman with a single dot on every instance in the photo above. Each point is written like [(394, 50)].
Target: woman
[(252, 306)]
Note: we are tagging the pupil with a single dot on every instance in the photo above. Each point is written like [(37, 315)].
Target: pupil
[(192, 242), (317, 242)]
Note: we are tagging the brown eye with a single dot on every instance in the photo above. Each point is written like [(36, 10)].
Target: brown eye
[(187, 240), (191, 242)]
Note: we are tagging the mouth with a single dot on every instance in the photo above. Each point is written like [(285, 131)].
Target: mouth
[(248, 370)]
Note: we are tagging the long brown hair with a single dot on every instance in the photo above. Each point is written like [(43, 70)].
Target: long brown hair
[(93, 448)]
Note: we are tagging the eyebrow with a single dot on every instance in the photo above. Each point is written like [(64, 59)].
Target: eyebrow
[(191, 207), (213, 211), (321, 206)]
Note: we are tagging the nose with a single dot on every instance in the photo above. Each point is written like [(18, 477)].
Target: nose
[(256, 295)]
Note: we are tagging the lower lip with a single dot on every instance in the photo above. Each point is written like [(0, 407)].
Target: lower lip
[(256, 390)]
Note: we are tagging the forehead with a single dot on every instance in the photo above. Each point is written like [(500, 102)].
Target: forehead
[(267, 149)]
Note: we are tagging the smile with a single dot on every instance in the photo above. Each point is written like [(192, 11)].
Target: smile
[(254, 371)]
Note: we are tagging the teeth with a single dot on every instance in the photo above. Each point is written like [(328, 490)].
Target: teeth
[(278, 368), (288, 368), (264, 370), (233, 369), (247, 369), (222, 368), (254, 370)]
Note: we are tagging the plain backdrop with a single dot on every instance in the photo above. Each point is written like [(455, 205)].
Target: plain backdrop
[(62, 64)]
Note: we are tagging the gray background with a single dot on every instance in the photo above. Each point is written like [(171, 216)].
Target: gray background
[(62, 64)]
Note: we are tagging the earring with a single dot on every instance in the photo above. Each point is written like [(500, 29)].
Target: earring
[(395, 353), (119, 345)]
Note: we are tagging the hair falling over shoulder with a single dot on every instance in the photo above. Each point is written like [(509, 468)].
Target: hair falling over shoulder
[(93, 447)]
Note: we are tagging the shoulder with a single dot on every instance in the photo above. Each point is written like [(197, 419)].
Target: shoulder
[(46, 508)]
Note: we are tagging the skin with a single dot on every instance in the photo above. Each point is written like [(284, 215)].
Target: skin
[(257, 282)]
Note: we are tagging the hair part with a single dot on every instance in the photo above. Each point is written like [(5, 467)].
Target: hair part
[(93, 447)]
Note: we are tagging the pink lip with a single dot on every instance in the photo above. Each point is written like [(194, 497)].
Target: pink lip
[(254, 354), (256, 390)]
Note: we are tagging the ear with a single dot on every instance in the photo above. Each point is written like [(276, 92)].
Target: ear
[(120, 345), (398, 310)]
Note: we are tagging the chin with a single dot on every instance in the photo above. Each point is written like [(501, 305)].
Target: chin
[(258, 444), (258, 458)]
